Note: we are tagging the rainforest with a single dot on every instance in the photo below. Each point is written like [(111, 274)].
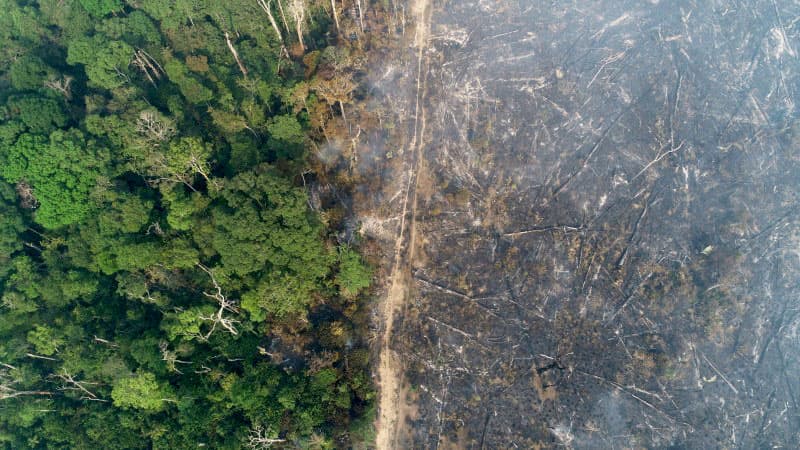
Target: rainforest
[(168, 278)]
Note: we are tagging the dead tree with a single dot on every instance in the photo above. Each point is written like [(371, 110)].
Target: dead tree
[(100, 340), (69, 383), (151, 69), (360, 15), (283, 16), (298, 10), (267, 7), (354, 150), (170, 357), (35, 356), (154, 129), (219, 318), (335, 15), (258, 439), (235, 54), (26, 198), (8, 382), (62, 85)]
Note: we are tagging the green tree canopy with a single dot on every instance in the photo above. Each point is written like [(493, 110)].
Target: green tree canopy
[(105, 61), (141, 391), (40, 115), (62, 172), (100, 8)]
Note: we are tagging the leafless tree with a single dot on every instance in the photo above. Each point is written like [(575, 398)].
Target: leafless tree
[(335, 15), (259, 439), (267, 7), (8, 384), (153, 128), (69, 383), (283, 15), (148, 66), (170, 357), (100, 340), (235, 54), (360, 15), (219, 318), (62, 85), (35, 356), (26, 198), (298, 10)]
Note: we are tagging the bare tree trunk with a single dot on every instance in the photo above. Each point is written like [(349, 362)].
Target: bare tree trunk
[(148, 65), (46, 358), (283, 16), (7, 392), (360, 15), (266, 7), (341, 106), (235, 54), (299, 13), (335, 15)]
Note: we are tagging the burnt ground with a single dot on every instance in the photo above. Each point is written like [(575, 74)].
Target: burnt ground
[(607, 230)]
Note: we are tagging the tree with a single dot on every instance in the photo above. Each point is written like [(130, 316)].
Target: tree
[(105, 61), (141, 391), (286, 137), (353, 276), (182, 207), (9, 384), (11, 224), (149, 256), (61, 172), (135, 28), (40, 115), (338, 89), (125, 214), (29, 72), (192, 89), (278, 295), (154, 127), (260, 439), (260, 218), (188, 157), (44, 340), (100, 8)]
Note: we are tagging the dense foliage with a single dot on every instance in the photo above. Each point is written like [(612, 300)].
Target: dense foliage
[(165, 280)]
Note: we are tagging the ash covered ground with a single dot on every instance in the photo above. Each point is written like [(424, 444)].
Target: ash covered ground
[(606, 242)]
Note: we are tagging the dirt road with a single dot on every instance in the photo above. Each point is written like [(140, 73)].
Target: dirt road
[(390, 368)]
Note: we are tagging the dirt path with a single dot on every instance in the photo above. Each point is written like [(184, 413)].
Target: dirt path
[(390, 367)]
